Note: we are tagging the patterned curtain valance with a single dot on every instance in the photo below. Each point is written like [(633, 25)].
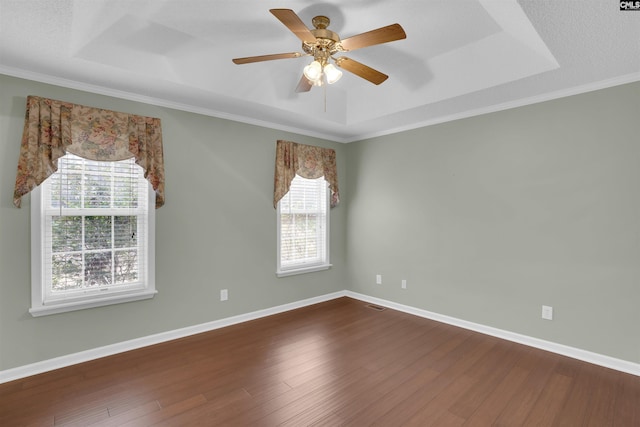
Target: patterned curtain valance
[(52, 128), (307, 161)]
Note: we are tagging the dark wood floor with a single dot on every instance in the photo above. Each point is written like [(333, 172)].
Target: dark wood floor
[(336, 363)]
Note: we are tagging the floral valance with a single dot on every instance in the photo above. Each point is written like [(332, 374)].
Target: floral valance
[(52, 128), (307, 161)]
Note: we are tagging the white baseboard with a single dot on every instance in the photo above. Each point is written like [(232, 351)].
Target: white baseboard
[(96, 353), (575, 353)]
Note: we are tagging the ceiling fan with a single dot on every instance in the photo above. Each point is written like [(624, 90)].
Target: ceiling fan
[(322, 44)]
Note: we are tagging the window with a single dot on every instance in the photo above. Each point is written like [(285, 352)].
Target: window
[(92, 236), (303, 227)]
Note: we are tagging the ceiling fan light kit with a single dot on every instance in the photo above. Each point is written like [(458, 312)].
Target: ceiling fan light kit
[(322, 43), (315, 72)]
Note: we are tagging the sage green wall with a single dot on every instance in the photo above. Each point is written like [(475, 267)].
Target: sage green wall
[(217, 230), (489, 218)]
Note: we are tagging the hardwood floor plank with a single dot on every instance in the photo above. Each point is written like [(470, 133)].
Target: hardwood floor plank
[(279, 410), (134, 413), (366, 413), (461, 357), (551, 400), (488, 372), (358, 394), (83, 417), (440, 404), (366, 409), (166, 413), (521, 402), (334, 363), (449, 420), (627, 411), (600, 411), (497, 399)]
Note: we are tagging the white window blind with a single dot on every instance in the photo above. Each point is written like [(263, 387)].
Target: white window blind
[(94, 235), (303, 226)]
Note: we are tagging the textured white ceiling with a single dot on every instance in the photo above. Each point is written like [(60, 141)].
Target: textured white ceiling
[(459, 58)]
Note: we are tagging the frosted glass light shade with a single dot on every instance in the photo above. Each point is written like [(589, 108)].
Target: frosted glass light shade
[(313, 71), (332, 73)]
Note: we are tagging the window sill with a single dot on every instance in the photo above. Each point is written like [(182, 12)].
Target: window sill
[(63, 307), (303, 270)]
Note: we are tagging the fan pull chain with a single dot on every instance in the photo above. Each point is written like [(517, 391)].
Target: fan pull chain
[(324, 88)]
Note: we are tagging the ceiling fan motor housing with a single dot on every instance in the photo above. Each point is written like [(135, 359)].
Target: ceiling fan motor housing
[(327, 42)]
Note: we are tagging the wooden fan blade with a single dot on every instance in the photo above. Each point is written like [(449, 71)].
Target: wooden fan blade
[(261, 58), (381, 35), (361, 70), (304, 85), (293, 22)]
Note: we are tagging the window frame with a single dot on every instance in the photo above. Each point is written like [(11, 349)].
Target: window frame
[(302, 269), (41, 307)]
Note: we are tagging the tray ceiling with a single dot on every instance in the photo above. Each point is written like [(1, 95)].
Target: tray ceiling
[(459, 58)]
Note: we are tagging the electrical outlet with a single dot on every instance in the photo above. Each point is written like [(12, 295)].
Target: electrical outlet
[(547, 312), (404, 284), (378, 279), (224, 295)]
